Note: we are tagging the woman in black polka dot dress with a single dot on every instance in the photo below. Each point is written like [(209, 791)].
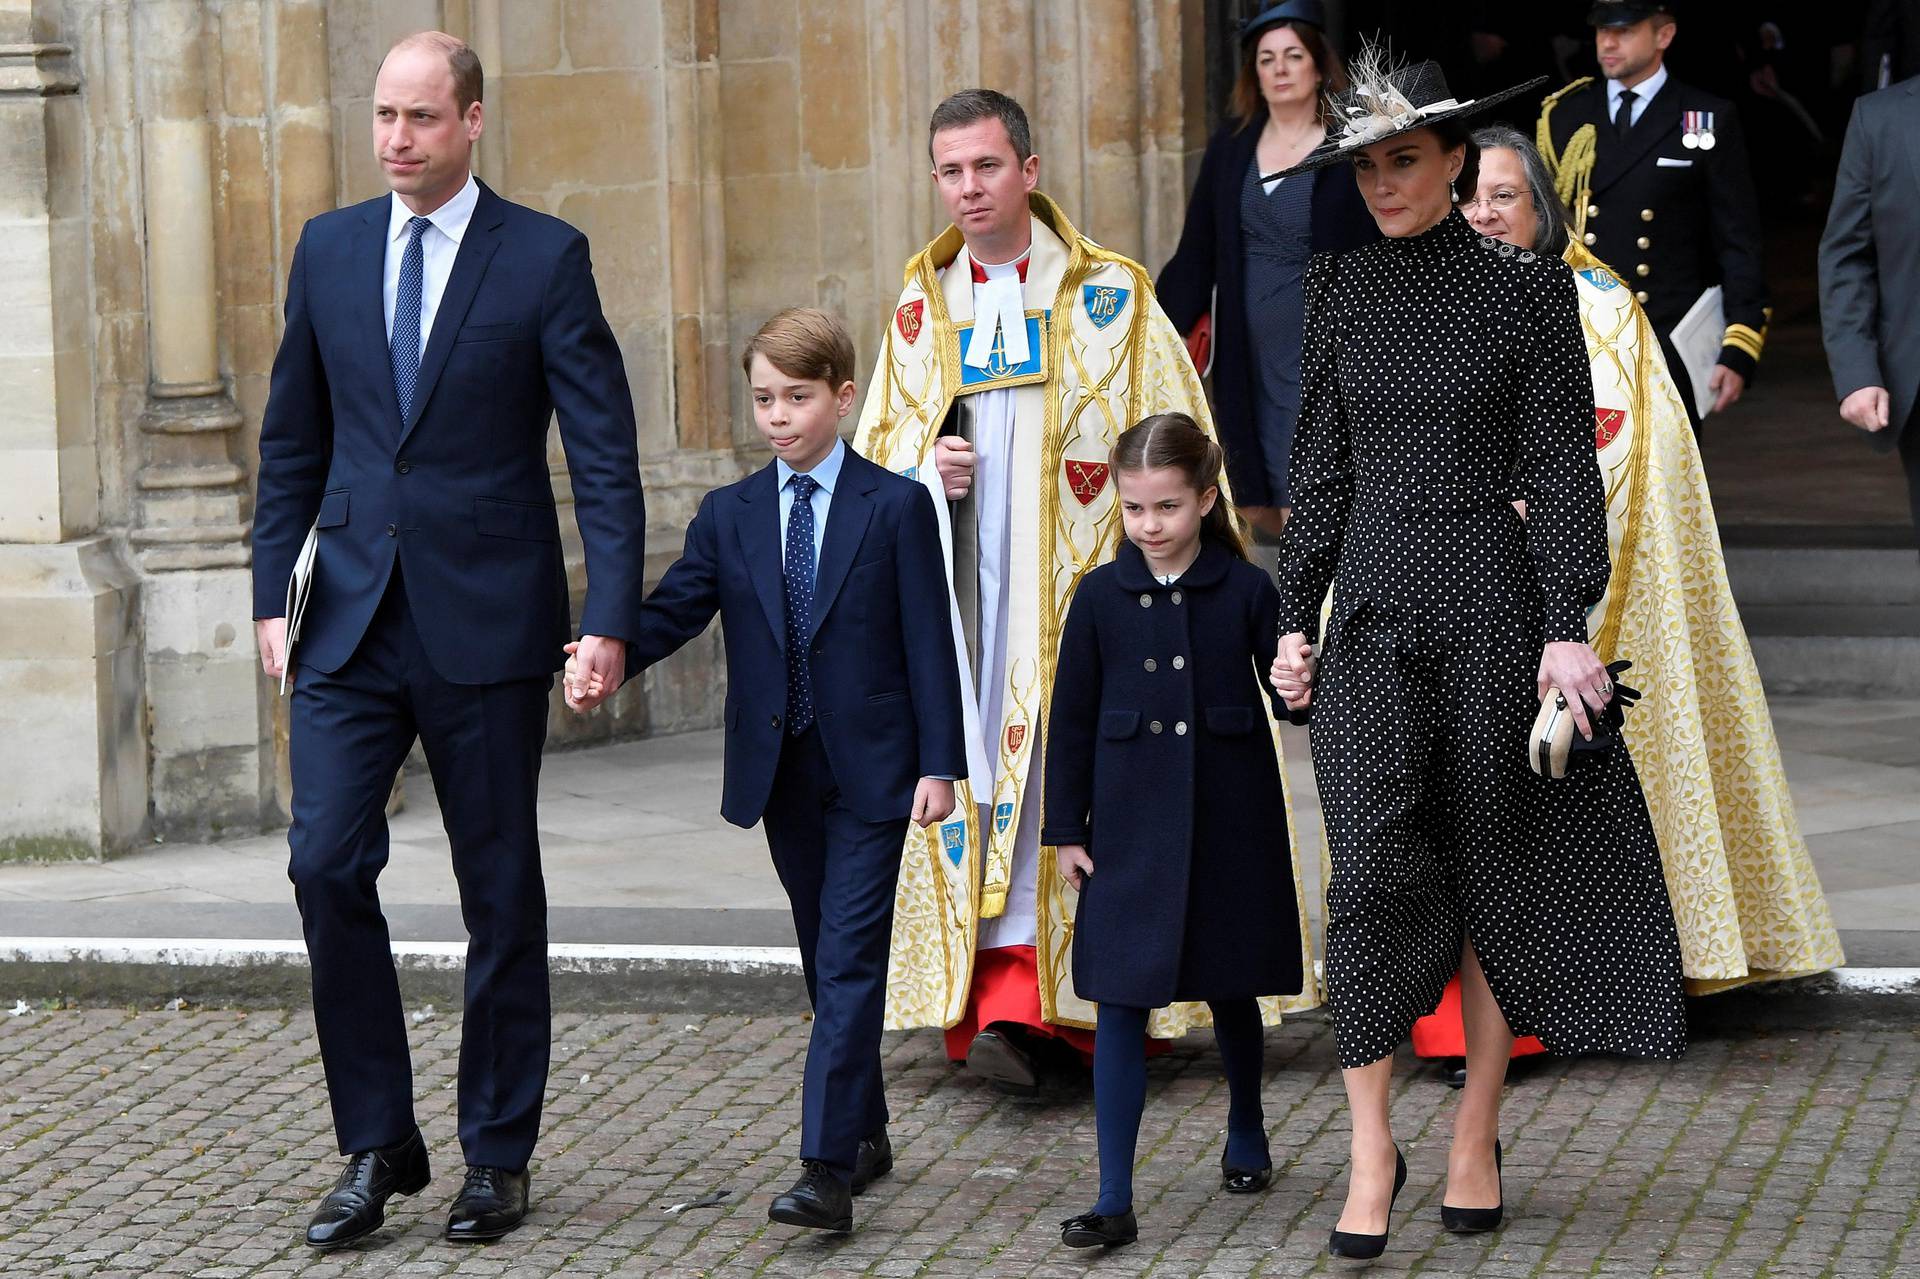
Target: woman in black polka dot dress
[(1444, 375)]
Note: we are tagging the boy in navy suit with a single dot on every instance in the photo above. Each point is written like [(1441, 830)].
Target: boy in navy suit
[(843, 714)]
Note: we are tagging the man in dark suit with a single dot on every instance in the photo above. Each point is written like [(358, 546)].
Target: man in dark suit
[(1661, 189), (430, 336), (1869, 259), (843, 714)]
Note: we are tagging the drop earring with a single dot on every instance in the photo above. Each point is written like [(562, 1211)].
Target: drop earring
[(1453, 193)]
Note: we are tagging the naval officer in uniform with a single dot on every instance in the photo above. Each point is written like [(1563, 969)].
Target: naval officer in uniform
[(1655, 174)]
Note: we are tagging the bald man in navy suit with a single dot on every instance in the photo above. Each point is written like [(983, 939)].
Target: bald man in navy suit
[(431, 335)]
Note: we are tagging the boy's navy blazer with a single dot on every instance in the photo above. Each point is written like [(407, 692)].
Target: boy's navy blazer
[(460, 495), (886, 682)]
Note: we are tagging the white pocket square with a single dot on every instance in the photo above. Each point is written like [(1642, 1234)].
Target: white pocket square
[(1666, 162)]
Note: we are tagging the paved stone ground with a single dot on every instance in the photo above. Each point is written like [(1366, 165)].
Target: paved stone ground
[(194, 1143)]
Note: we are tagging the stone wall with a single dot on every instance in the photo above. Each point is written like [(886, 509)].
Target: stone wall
[(726, 157)]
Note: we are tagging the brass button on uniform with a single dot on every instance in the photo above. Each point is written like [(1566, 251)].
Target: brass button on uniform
[(1181, 728), (1179, 663), (1643, 270), (1146, 601), (1154, 727), (1588, 238), (1646, 215), (1152, 665), (1644, 242)]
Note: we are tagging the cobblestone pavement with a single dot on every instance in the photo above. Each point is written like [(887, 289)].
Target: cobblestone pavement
[(196, 1142)]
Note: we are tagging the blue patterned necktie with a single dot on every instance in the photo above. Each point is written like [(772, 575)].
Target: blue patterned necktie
[(405, 345), (799, 591)]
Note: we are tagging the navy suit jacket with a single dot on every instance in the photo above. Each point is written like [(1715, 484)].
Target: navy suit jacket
[(459, 495), (886, 684)]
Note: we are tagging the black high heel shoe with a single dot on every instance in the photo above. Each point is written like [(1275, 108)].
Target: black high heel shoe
[(1244, 1181), (1358, 1247), (1477, 1221)]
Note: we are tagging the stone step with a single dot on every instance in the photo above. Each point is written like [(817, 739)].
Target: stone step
[(1837, 650), (1789, 576)]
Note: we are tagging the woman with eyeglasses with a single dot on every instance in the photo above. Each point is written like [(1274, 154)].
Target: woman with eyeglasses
[(1746, 901)]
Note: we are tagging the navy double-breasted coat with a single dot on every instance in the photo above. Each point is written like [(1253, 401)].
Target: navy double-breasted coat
[(1160, 762)]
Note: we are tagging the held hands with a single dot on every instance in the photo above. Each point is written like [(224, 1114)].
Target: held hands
[(596, 667), (270, 637), (1867, 408), (953, 458), (1575, 670), (932, 801), (1075, 866), (1727, 387), (1294, 667)]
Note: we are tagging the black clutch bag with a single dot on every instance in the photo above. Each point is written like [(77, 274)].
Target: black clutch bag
[(1555, 745)]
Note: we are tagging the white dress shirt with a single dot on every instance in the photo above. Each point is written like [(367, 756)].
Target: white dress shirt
[(1642, 94), (826, 473), (438, 246)]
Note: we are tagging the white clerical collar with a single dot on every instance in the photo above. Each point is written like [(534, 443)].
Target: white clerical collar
[(1642, 92), (999, 309), (451, 218)]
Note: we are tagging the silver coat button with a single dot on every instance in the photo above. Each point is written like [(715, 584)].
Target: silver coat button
[(1181, 728), (1179, 663), (1152, 665), (1154, 727), (1146, 601), (1176, 597)]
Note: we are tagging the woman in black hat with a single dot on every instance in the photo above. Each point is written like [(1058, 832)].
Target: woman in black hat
[(1243, 252), (1444, 375)]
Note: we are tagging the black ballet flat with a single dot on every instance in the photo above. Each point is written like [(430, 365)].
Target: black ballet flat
[(1477, 1221), (1244, 1181), (1453, 1071), (1091, 1230), (1357, 1247)]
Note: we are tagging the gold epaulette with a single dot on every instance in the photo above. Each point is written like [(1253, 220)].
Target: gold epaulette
[(1543, 133)]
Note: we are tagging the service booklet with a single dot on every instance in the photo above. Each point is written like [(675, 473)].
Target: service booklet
[(1698, 338)]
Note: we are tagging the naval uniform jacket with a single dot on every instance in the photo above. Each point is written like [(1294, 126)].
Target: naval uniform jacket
[(1672, 220), (1160, 761)]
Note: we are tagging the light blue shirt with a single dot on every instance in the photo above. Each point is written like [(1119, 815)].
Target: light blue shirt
[(1642, 93), (826, 472)]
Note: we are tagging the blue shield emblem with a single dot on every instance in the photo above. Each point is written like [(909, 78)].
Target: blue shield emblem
[(1104, 303), (1601, 280), (912, 472), (953, 841), (1002, 818)]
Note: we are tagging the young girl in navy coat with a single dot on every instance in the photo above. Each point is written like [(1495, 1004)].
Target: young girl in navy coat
[(1163, 801)]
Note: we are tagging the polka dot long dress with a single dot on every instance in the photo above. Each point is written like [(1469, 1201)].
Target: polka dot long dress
[(1444, 374)]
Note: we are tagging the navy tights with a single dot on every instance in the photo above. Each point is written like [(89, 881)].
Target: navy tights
[(1120, 1092)]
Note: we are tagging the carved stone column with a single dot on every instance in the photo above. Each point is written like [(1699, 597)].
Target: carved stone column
[(209, 769), (74, 777)]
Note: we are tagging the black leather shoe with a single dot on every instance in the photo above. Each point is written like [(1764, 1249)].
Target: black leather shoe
[(1477, 1221), (996, 1058), (1453, 1071), (357, 1204), (1091, 1230), (1359, 1247), (874, 1161), (491, 1203), (1244, 1181), (818, 1201)]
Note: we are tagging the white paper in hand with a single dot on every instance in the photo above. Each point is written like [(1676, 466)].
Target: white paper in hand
[(1698, 339), (299, 591)]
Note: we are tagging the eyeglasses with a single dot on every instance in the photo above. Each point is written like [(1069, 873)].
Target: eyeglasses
[(1500, 201)]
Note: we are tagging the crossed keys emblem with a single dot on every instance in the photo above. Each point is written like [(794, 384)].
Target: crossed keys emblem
[(1085, 479)]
